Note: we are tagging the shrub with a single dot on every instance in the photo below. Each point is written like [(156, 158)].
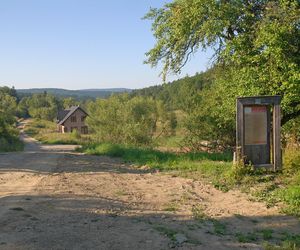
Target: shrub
[(121, 120), (291, 160), (75, 134), (10, 144)]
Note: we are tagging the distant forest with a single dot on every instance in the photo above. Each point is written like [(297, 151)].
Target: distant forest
[(82, 94), (178, 94)]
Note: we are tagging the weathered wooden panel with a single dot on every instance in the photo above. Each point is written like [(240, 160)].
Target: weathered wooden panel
[(253, 142), (276, 138), (257, 134), (239, 130), (256, 125)]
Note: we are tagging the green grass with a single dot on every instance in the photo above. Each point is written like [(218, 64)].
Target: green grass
[(291, 239), (170, 233), (210, 165), (245, 238), (266, 235), (155, 158), (219, 228), (171, 142), (291, 197), (284, 246), (46, 132)]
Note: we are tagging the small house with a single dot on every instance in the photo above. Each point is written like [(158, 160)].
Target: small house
[(72, 119)]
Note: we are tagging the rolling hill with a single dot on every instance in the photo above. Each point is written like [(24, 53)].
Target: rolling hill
[(77, 94)]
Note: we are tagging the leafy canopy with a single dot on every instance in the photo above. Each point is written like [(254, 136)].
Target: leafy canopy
[(256, 45)]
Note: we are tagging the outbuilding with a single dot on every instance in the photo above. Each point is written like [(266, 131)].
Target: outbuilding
[(72, 119)]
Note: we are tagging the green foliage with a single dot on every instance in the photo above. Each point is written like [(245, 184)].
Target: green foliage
[(291, 131), (291, 194), (78, 95), (40, 106), (240, 170), (180, 94), (256, 46), (69, 102), (75, 134), (120, 119), (9, 140), (207, 126), (291, 160), (9, 91), (22, 109)]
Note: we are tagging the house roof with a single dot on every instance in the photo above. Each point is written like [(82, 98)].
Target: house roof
[(63, 115)]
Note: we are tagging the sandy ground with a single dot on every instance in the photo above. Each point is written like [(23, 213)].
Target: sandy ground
[(54, 198)]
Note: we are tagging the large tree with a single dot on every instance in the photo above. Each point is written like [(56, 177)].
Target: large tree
[(256, 44), (256, 52)]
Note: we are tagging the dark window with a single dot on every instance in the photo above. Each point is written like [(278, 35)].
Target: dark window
[(84, 130), (73, 118), (82, 118), (66, 129)]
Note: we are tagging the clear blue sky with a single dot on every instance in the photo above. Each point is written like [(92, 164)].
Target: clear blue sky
[(77, 44)]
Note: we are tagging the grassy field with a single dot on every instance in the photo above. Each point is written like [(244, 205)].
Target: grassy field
[(217, 169), (46, 132)]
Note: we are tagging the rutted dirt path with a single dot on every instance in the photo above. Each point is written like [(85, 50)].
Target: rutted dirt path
[(53, 198)]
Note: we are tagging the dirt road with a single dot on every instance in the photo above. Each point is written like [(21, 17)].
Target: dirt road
[(53, 198)]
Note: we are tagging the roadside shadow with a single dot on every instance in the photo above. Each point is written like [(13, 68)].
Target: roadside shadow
[(65, 162), (81, 222)]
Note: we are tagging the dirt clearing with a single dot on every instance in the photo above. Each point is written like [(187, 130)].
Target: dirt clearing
[(53, 198)]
